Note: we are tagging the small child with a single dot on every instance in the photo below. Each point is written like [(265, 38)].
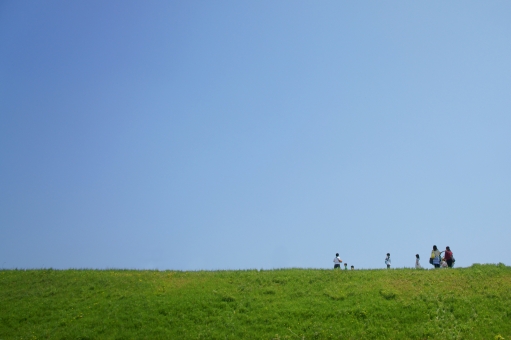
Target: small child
[(443, 264), (345, 266), (387, 261), (417, 264), (352, 267)]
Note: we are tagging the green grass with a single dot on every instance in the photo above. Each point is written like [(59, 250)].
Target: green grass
[(461, 303)]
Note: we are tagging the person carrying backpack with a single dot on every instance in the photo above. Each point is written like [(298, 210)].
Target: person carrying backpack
[(435, 257)]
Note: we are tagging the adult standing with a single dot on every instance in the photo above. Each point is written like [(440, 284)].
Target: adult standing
[(337, 261), (448, 256), (435, 256)]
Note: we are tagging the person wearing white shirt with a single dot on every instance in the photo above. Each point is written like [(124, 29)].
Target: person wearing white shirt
[(337, 261), (388, 261), (417, 264)]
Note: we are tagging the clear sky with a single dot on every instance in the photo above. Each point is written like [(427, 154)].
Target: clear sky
[(210, 135)]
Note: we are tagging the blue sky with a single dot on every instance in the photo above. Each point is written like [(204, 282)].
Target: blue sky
[(195, 135)]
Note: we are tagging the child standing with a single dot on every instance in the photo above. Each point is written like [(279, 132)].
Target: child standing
[(417, 264), (387, 261), (345, 266)]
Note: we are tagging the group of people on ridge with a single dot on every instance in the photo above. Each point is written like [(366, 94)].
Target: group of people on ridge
[(436, 259), (338, 261)]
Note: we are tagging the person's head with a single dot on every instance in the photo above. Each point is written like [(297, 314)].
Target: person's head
[(417, 256), (447, 248), (352, 267), (388, 254), (435, 248), (336, 254)]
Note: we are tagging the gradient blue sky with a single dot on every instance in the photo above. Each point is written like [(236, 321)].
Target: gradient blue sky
[(212, 135)]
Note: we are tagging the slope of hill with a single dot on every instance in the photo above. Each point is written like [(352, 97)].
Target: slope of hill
[(460, 303)]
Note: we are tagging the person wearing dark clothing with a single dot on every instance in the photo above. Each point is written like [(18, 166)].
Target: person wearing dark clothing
[(448, 256)]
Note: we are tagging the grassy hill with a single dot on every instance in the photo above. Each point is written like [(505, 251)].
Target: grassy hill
[(461, 303)]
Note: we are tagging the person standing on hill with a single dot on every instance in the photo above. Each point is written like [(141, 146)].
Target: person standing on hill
[(448, 256), (387, 261), (417, 263), (337, 261), (435, 257)]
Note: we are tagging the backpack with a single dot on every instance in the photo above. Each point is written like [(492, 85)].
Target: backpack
[(431, 257)]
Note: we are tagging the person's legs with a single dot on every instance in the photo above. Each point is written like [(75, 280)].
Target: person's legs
[(437, 265), (337, 265), (388, 266), (449, 263)]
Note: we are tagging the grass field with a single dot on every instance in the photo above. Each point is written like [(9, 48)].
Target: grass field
[(461, 303)]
